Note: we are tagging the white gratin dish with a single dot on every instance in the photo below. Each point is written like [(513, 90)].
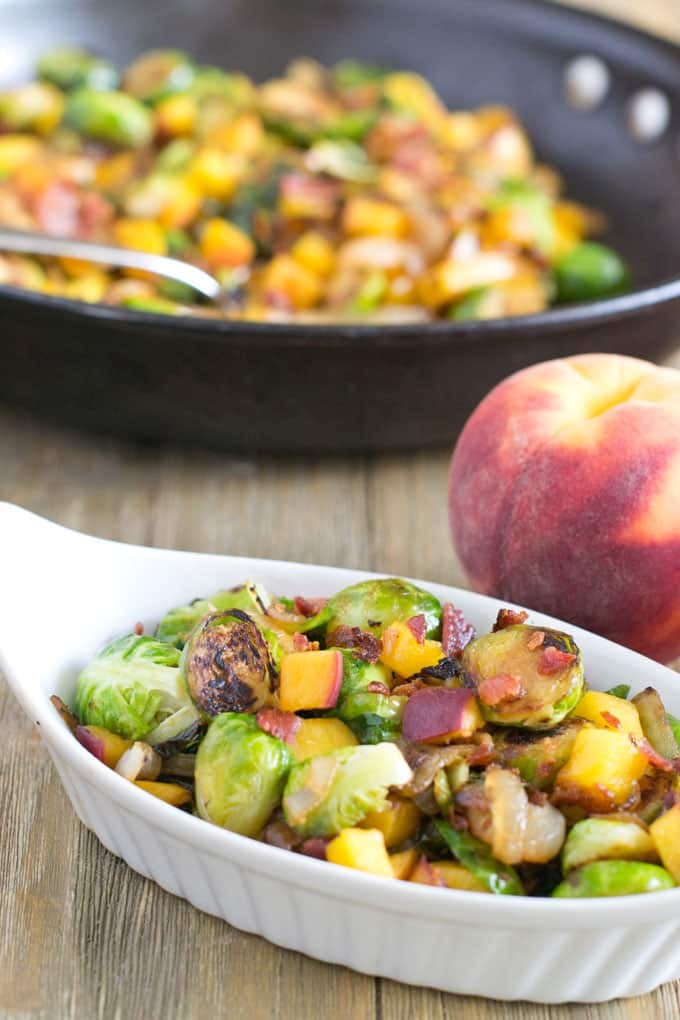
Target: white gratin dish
[(500, 947)]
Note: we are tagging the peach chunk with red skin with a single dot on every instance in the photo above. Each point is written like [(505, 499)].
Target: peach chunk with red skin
[(440, 714), (565, 495), (310, 680)]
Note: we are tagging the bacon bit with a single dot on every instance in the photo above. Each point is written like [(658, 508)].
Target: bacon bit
[(57, 209), (456, 631), (364, 645), (308, 607), (536, 640), (375, 687), (418, 626), (95, 212), (431, 875), (283, 725), (509, 618), (301, 643), (315, 847), (65, 712), (406, 690), (481, 755), (655, 759), (138, 629), (553, 660), (497, 690), (611, 720)]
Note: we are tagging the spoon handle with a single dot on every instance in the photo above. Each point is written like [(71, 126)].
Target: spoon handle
[(24, 242)]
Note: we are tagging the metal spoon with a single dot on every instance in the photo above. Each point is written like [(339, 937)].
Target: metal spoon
[(26, 243)]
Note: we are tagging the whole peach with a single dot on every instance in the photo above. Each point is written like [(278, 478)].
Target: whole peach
[(564, 496)]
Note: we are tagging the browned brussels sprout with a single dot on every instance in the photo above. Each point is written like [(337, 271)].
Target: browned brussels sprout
[(538, 756), (226, 664), (157, 74), (525, 676)]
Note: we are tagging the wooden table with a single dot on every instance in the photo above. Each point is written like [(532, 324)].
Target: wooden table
[(82, 936)]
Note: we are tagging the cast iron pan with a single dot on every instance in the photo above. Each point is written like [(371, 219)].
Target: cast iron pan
[(284, 387)]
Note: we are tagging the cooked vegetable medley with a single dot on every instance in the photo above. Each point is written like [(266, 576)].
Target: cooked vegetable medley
[(375, 730), (349, 193)]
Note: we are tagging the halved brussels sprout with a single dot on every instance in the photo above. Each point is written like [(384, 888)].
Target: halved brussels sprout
[(357, 674), (240, 774), (373, 718), (590, 271), (336, 790), (157, 74), (537, 756), (177, 623), (133, 686), (226, 664), (545, 668), (655, 723), (595, 839), (614, 878), (71, 68), (111, 117), (374, 605), (37, 107)]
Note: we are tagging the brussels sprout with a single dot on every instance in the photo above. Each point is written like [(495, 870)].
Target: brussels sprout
[(371, 293), (336, 790), (157, 74), (538, 756), (654, 721), (534, 204), (35, 107), (373, 718), (226, 664), (614, 878), (590, 271), (596, 839), (132, 686), (178, 622), (213, 82), (477, 858), (111, 117), (374, 605), (350, 127), (240, 773), (480, 303), (342, 159), (358, 674), (551, 687), (176, 291), (350, 74), (74, 69), (175, 157), (178, 242)]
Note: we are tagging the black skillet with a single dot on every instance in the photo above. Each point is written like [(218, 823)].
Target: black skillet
[(269, 387)]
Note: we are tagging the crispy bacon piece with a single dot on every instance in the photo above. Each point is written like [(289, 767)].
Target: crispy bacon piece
[(283, 725), (409, 688), (552, 660), (497, 690), (509, 618), (656, 760), (308, 607), (138, 629), (536, 640), (611, 719), (418, 626), (375, 687), (364, 645), (315, 847), (456, 631), (301, 643)]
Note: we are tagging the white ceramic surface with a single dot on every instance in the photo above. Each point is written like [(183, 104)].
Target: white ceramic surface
[(63, 594)]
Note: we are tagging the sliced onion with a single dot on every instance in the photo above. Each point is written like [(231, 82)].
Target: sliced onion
[(509, 809), (139, 762), (545, 832), (318, 779)]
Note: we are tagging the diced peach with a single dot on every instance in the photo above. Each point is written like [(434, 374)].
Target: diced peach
[(225, 244), (457, 877), (176, 115), (315, 252), (371, 217), (602, 770), (363, 849), (319, 736), (440, 714), (403, 863), (217, 174), (310, 680), (398, 822), (609, 713), (665, 832), (404, 654), (171, 793), (108, 747)]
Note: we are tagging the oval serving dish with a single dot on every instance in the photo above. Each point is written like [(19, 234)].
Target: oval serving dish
[(499, 947)]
